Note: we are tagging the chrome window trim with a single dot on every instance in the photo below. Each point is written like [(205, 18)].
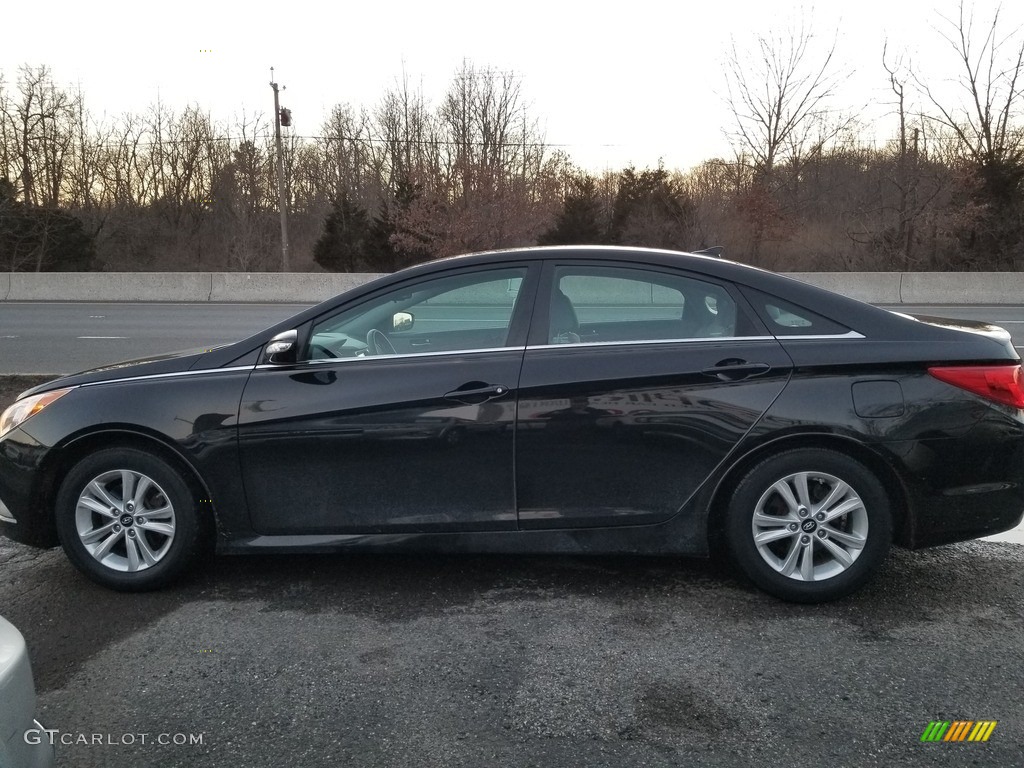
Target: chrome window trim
[(175, 374), (400, 356), (703, 339), (822, 337)]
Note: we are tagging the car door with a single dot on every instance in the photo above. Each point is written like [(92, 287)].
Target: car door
[(637, 382), (371, 433)]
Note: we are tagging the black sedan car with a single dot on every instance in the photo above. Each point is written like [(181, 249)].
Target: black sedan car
[(547, 400)]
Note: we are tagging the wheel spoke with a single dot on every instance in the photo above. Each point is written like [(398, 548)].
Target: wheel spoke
[(835, 495), (840, 554), (163, 512), (133, 554), (100, 492), (98, 533), (786, 492), (164, 529), (148, 556), (844, 508), (807, 561), (802, 491), (128, 479), (774, 521), (767, 537), (108, 544), (792, 558), (851, 540), (139, 496), (96, 506)]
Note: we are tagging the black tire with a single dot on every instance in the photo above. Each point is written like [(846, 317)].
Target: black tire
[(128, 555), (781, 562)]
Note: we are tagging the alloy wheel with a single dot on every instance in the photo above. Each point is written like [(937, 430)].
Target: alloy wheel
[(810, 526), (124, 520)]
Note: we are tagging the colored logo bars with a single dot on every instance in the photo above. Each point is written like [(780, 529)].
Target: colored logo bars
[(959, 730)]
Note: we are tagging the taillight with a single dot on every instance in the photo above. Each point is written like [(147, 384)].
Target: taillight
[(1000, 383)]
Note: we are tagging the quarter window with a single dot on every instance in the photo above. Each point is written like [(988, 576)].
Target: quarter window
[(786, 319)]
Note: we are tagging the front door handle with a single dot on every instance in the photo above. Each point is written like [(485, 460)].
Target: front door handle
[(476, 392), (736, 370)]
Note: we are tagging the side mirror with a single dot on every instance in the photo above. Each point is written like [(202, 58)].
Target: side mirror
[(282, 348), (402, 321)]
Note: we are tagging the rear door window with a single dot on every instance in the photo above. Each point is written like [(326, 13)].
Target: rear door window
[(597, 304)]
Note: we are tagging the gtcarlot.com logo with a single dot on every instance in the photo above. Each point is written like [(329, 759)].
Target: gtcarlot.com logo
[(54, 737), (959, 730)]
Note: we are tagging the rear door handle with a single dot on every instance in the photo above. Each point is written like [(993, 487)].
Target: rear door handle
[(476, 392), (736, 370)]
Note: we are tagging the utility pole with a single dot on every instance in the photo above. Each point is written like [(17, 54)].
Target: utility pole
[(279, 117)]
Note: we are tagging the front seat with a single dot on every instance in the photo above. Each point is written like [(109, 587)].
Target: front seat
[(562, 321)]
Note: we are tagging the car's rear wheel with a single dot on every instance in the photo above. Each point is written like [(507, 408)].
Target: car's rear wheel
[(127, 519), (809, 525)]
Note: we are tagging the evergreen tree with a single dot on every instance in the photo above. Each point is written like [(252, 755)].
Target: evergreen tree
[(580, 219), (344, 244), (651, 209)]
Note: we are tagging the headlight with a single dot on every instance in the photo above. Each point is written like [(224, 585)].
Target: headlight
[(28, 407)]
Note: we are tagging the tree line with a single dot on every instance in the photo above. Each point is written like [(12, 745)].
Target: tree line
[(378, 188)]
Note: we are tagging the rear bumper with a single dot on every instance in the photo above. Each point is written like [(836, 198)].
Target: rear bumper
[(931, 530), (965, 487)]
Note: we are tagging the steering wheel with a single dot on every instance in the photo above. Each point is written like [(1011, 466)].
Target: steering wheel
[(379, 344)]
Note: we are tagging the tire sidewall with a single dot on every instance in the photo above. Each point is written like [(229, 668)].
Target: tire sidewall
[(759, 479), (186, 524)]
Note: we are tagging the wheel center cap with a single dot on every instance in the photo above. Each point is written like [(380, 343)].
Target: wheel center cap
[(808, 526), (127, 520)]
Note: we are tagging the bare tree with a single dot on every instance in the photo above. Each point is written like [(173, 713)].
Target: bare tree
[(779, 94), (991, 68), (988, 136), (38, 135)]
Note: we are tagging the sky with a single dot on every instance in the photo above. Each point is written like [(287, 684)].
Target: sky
[(612, 85)]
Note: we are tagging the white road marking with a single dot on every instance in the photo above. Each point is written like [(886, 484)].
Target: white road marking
[(103, 337)]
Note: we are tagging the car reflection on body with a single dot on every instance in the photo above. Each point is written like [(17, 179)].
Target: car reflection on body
[(578, 400)]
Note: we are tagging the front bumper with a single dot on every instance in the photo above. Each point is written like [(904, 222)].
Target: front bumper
[(23, 515)]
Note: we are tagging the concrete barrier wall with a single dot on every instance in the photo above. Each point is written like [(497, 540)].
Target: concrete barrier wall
[(273, 287), (109, 286), (309, 288), (963, 288), (875, 287)]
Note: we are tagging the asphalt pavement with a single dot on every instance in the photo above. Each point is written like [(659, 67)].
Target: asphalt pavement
[(533, 661)]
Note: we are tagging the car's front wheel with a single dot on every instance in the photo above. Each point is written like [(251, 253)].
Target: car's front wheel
[(809, 525), (127, 519)]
